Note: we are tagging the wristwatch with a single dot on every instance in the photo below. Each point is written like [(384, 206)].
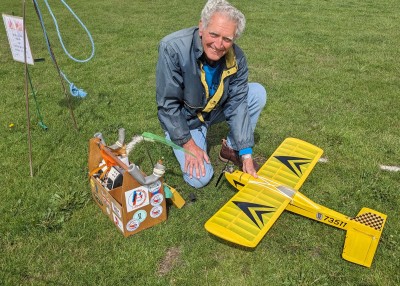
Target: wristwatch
[(245, 156)]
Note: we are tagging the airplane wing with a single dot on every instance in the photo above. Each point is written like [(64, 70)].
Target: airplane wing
[(251, 212), (291, 163)]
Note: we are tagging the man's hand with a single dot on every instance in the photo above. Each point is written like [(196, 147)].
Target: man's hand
[(192, 163), (248, 167)]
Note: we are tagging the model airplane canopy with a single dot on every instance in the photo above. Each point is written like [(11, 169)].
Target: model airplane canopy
[(251, 212)]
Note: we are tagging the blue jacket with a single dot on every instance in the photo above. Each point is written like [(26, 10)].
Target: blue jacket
[(182, 92)]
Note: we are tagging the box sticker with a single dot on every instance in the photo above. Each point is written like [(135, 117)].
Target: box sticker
[(157, 199), (106, 200), (116, 210), (118, 222), (92, 183), (98, 199), (156, 211), (155, 187), (132, 225), (140, 215), (137, 198)]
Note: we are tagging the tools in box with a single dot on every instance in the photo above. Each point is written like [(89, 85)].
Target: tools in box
[(132, 200)]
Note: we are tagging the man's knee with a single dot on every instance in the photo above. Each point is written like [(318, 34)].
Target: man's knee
[(258, 94), (199, 182)]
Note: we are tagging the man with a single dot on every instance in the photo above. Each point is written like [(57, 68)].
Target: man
[(202, 79)]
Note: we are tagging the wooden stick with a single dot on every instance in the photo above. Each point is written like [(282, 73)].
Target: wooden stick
[(28, 121)]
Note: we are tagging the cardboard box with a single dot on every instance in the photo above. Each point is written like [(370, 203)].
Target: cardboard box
[(132, 207)]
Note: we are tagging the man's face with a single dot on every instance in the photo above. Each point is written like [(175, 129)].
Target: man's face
[(217, 37)]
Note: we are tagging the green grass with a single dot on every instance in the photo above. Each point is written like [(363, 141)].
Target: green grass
[(332, 74)]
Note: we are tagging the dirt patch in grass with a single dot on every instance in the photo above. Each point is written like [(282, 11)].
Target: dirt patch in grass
[(171, 258)]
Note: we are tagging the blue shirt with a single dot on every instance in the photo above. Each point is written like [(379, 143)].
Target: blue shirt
[(213, 77)]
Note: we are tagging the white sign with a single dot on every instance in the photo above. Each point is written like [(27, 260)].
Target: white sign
[(15, 31)]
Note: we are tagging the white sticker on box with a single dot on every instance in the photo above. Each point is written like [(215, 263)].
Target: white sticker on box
[(137, 198), (116, 210), (156, 211), (118, 222), (157, 199), (132, 225), (155, 187)]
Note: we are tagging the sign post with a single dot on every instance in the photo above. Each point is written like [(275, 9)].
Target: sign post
[(21, 52)]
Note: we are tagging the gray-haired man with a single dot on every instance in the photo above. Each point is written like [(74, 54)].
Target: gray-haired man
[(202, 79)]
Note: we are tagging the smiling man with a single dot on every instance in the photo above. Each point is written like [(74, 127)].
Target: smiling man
[(202, 79)]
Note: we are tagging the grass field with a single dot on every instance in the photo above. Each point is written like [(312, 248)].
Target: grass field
[(331, 69)]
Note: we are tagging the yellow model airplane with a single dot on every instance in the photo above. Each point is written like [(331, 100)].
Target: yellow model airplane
[(251, 212)]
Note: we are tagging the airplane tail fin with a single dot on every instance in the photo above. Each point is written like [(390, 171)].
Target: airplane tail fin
[(363, 237)]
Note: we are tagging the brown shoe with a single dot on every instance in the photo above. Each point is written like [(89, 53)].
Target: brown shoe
[(228, 154)]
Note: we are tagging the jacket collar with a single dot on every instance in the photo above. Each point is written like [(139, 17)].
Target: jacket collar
[(197, 46)]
